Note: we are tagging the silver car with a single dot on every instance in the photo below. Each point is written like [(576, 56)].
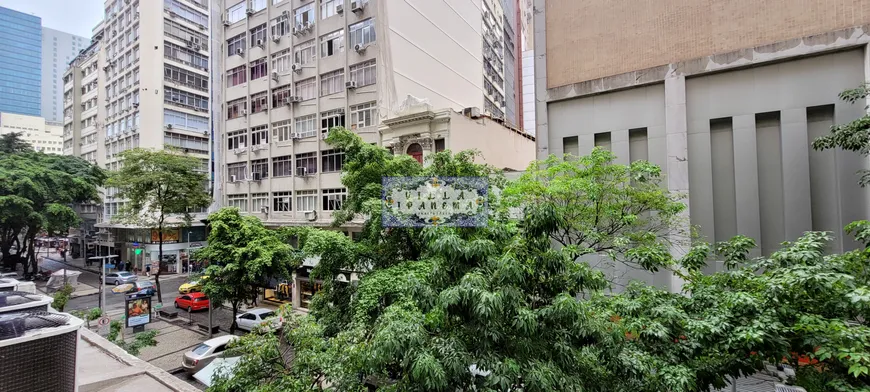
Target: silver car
[(122, 277), (196, 359)]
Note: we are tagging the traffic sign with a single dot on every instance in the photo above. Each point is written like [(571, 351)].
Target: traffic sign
[(110, 266), (103, 321)]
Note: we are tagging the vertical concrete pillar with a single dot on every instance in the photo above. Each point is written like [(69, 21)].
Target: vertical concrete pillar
[(746, 179), (586, 144), (542, 132), (796, 173), (676, 130), (701, 178), (620, 147)]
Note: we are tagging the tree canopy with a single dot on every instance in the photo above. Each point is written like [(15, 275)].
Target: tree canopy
[(852, 136), (159, 188)]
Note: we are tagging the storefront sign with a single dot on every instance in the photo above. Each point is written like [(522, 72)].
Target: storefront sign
[(138, 311), (196, 245), (169, 235), (435, 201)]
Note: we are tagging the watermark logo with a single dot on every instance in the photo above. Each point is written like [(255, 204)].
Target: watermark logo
[(434, 201)]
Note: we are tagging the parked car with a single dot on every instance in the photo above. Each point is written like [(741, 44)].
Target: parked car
[(196, 359), (256, 317), (191, 302), (118, 278), (143, 288)]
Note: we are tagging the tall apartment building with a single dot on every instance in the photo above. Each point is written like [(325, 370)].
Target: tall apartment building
[(726, 100), (58, 50), (143, 83), (20, 62), (293, 69)]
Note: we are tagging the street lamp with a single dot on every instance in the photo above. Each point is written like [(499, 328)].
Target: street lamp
[(188, 252)]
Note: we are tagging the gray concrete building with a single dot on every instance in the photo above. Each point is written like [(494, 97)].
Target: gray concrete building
[(58, 50), (726, 96)]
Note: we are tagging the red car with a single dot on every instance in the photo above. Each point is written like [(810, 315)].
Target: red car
[(191, 302)]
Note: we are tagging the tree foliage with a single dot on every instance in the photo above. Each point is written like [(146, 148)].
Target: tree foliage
[(242, 254), (136, 344), (853, 136), (36, 194), (160, 189)]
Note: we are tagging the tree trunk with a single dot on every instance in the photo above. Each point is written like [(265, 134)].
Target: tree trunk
[(31, 256), (233, 326), (159, 261)]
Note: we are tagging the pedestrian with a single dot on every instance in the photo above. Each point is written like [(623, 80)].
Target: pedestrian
[(148, 270), (63, 254)]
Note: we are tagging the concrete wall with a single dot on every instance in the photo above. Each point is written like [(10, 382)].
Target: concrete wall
[(435, 52), (596, 38), (41, 136), (500, 147)]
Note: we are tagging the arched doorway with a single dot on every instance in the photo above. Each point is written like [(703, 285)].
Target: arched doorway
[(416, 151)]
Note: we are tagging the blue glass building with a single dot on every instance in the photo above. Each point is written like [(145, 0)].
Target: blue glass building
[(20, 62)]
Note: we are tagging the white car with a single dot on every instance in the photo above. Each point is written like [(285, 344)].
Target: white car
[(254, 318), (196, 359)]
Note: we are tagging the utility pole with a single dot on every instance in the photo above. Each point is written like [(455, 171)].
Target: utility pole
[(103, 284)]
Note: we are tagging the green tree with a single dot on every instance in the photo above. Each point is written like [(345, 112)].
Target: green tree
[(160, 189), (242, 256), (61, 297), (133, 346), (36, 192), (852, 136), (11, 143)]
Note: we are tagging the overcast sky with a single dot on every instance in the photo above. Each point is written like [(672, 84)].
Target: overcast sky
[(70, 16)]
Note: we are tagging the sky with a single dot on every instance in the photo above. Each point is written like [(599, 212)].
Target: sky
[(70, 16)]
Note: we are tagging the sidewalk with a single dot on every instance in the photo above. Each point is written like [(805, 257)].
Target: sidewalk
[(80, 265)]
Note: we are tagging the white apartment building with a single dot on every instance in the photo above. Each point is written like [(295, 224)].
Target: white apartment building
[(144, 82), (42, 135), (293, 69)]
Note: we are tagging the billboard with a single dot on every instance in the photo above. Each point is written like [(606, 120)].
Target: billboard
[(138, 311)]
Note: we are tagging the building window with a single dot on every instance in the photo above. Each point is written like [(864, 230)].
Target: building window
[(259, 202), (331, 119), (306, 200), (305, 53), (281, 62), (363, 115), (260, 166), (260, 135), (281, 131), (237, 139), (333, 198), (332, 160), (281, 201), (332, 43), (304, 15), (259, 102), (306, 126), (327, 8), (185, 99), (258, 69), (439, 145), (364, 73), (306, 89), (281, 166), (307, 162), (362, 33), (258, 35), (280, 26), (182, 55), (238, 201), (237, 108), (185, 77), (258, 5), (280, 94), (191, 14), (235, 44), (236, 76), (332, 82), (236, 12), (238, 170), (187, 143)]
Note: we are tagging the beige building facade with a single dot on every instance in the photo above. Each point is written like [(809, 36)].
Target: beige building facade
[(725, 96), (42, 135)]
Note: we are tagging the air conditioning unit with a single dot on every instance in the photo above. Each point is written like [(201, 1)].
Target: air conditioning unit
[(275, 75), (350, 84), (40, 343), (259, 42), (324, 135), (244, 112), (168, 126), (249, 11), (296, 135), (309, 26), (296, 67), (276, 38), (233, 178), (240, 51), (339, 9), (359, 48), (256, 176), (201, 27), (227, 23), (292, 99), (311, 215), (356, 6)]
